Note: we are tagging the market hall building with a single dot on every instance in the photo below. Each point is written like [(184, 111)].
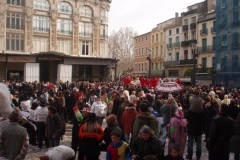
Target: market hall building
[(55, 40)]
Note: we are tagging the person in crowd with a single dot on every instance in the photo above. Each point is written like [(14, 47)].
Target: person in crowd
[(100, 109), (221, 131), (25, 103), (136, 104), (92, 98), (128, 117), (233, 110), (112, 124), (211, 111), (14, 100), (174, 155), (117, 149), (31, 118), (68, 101), (168, 110), (54, 127), (144, 118), (133, 97), (91, 134), (45, 95), (40, 117), (146, 145), (177, 132), (103, 95), (14, 139), (195, 117), (116, 102), (62, 100), (226, 100), (59, 153), (235, 140)]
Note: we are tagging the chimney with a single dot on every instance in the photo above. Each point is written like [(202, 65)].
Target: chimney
[(176, 17)]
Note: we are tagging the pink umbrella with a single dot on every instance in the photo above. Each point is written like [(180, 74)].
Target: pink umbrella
[(168, 87)]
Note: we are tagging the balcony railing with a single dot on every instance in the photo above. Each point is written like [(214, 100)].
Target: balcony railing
[(192, 41), (86, 34), (192, 26), (17, 3), (64, 31), (170, 45), (185, 43), (171, 63), (206, 48), (86, 14), (204, 31), (104, 18), (185, 28), (187, 61), (104, 36), (41, 29), (190, 12), (177, 44), (15, 26), (213, 29), (203, 70), (68, 11), (41, 7)]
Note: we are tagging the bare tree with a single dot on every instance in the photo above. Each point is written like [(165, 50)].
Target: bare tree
[(121, 47)]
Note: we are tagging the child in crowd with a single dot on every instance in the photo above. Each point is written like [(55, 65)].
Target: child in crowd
[(174, 155), (117, 149)]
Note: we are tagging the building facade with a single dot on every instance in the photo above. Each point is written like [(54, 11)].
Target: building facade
[(227, 59), (51, 40), (206, 32), (158, 48), (142, 49)]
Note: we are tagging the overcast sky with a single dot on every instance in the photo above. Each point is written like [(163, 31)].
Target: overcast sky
[(144, 15)]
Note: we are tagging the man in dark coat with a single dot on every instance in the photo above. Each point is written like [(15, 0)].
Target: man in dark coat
[(221, 131), (233, 110)]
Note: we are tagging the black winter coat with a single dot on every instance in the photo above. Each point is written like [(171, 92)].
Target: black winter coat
[(195, 123), (221, 131), (233, 111)]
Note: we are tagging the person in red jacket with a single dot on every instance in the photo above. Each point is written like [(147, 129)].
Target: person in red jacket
[(127, 120)]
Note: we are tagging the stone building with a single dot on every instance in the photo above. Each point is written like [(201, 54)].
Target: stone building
[(52, 40)]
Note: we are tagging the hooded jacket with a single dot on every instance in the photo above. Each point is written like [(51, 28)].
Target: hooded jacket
[(128, 117), (142, 119)]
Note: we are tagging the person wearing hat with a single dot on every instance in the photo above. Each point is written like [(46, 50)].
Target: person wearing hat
[(76, 126), (90, 134), (177, 132), (14, 139), (40, 116)]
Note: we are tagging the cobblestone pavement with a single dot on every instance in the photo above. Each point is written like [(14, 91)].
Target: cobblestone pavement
[(33, 152)]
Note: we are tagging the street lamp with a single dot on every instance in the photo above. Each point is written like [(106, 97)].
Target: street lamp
[(150, 62), (116, 61), (194, 52)]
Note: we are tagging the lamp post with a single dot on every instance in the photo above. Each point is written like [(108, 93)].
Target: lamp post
[(150, 62), (194, 52), (116, 61)]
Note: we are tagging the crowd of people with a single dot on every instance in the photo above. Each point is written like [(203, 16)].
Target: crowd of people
[(140, 121)]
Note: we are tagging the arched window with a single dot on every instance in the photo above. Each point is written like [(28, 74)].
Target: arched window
[(104, 15), (86, 11), (41, 4), (65, 7)]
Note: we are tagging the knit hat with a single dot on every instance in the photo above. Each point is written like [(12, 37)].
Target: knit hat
[(91, 118), (179, 113), (5, 104)]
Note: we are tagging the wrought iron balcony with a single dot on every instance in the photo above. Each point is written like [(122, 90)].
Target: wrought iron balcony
[(192, 41), (40, 29), (177, 44), (41, 7), (206, 48), (213, 29), (86, 14), (203, 70), (187, 61), (185, 28), (204, 31), (185, 43), (170, 45), (86, 34), (65, 11), (193, 26), (104, 36), (171, 63), (64, 31)]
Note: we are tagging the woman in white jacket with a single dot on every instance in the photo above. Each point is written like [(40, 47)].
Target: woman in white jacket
[(100, 109)]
